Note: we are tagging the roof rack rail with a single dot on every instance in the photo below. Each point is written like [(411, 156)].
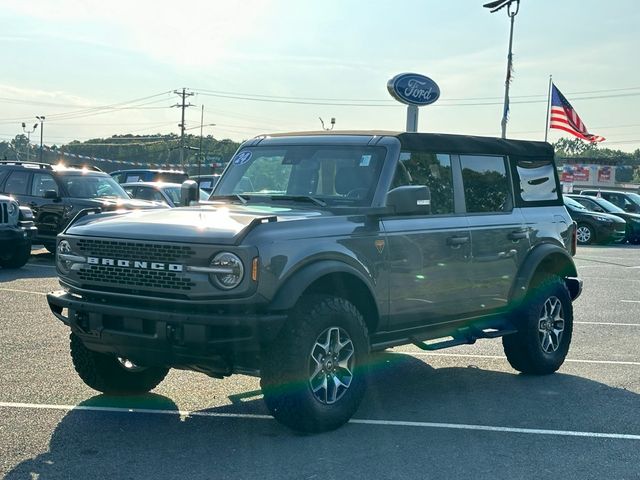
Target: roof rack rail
[(88, 167), (27, 163)]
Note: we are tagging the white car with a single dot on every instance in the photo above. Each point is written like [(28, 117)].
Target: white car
[(166, 193)]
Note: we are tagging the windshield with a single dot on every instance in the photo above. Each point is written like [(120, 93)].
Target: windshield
[(607, 205), (569, 202), (174, 194), (346, 175), (634, 197), (93, 186)]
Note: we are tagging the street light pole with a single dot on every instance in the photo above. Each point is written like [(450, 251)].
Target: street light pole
[(494, 7), (28, 132), (41, 118)]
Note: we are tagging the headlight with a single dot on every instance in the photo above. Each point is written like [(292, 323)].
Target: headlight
[(603, 219), (228, 270), (13, 209), (64, 248)]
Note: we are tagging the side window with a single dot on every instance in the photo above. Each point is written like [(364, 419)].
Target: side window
[(118, 177), (41, 183), (486, 185), (3, 175), (133, 177), (432, 170), (17, 183)]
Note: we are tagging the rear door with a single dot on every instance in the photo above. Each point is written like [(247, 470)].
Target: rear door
[(499, 237)]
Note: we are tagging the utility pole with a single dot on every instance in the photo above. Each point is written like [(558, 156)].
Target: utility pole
[(41, 119), (184, 94), (28, 132)]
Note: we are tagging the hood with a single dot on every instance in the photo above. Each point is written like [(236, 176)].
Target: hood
[(108, 204), (610, 216), (222, 224)]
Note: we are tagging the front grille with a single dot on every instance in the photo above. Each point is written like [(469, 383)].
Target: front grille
[(4, 212), (132, 277), (135, 250)]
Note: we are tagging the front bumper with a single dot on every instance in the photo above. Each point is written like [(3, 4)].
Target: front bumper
[(164, 337), (17, 235)]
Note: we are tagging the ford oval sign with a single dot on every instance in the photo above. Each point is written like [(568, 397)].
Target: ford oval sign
[(413, 89)]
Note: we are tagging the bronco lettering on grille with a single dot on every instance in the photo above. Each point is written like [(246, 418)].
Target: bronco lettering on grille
[(114, 262)]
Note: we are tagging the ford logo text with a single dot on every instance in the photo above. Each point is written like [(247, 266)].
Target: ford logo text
[(413, 89)]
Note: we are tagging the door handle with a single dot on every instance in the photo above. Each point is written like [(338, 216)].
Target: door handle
[(518, 234), (457, 241)]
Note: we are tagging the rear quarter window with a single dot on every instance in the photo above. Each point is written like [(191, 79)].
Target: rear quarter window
[(536, 182)]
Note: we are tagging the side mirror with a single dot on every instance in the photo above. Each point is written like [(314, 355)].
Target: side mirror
[(410, 200), (51, 195), (189, 193)]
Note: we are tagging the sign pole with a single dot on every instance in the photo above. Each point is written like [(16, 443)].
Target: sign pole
[(412, 118)]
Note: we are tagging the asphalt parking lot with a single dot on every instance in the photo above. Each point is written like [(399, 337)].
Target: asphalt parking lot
[(458, 413)]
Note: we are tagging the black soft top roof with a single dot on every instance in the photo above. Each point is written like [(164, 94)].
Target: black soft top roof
[(438, 142)]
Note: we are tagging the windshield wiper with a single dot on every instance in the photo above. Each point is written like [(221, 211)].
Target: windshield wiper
[(234, 196), (305, 198)]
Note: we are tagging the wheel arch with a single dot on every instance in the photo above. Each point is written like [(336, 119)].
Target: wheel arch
[(546, 259), (330, 277)]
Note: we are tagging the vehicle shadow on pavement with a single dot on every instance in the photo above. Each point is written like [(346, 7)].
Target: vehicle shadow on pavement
[(107, 444), (26, 272)]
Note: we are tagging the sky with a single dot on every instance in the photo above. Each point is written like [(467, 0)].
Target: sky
[(101, 68)]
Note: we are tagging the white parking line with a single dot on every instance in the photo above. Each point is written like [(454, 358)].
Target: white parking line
[(357, 421), (630, 301), (500, 357), (21, 291), (617, 324)]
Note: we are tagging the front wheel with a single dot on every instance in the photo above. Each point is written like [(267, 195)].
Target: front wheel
[(585, 234), (16, 257), (545, 326), (113, 375), (314, 375)]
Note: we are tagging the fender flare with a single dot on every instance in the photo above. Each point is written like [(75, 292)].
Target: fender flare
[(560, 262), (294, 286)]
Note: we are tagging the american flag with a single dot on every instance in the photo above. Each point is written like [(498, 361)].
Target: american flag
[(564, 117)]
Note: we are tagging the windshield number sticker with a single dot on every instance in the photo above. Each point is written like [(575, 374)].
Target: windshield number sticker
[(365, 160), (242, 157)]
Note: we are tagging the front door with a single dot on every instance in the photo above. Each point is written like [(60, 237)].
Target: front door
[(429, 256)]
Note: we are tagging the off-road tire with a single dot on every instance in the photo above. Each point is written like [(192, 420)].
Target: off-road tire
[(18, 258), (106, 374), (286, 375), (524, 349)]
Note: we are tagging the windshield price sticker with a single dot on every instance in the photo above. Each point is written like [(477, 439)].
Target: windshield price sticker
[(242, 157)]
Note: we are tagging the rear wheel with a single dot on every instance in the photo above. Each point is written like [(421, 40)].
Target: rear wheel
[(314, 374), (545, 326), (17, 257), (585, 234), (113, 375)]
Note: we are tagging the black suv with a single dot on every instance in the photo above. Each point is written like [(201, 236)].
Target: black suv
[(56, 194), (628, 201), (347, 243), (600, 205), (16, 231), (595, 227)]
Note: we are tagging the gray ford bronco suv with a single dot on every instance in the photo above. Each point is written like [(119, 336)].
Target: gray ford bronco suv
[(316, 249)]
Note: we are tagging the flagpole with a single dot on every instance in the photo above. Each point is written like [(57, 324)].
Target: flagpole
[(546, 125)]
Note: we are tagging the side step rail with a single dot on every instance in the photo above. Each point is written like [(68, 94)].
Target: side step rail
[(463, 336)]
